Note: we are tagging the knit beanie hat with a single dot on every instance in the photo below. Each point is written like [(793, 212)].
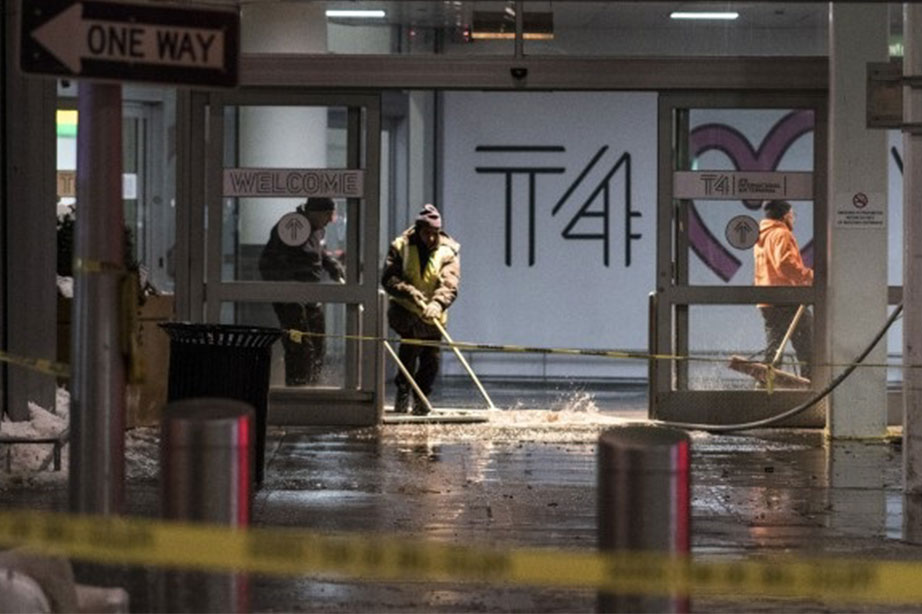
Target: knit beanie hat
[(776, 209), (319, 204), (429, 216)]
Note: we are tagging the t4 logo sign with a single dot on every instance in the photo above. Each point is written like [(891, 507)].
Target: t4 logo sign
[(592, 189)]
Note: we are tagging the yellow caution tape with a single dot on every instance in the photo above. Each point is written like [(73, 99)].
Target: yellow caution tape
[(298, 335), (137, 541), (41, 365), (82, 265)]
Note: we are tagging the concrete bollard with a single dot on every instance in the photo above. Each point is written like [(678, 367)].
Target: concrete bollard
[(644, 503), (207, 473)]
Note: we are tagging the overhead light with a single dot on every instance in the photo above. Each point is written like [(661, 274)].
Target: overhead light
[(493, 25), (725, 15), (357, 13)]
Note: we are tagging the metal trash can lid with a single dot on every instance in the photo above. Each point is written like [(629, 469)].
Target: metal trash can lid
[(224, 335)]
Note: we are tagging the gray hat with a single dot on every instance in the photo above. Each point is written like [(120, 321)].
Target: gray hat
[(429, 216)]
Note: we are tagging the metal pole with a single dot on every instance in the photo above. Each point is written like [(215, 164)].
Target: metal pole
[(470, 371), (519, 46), (652, 375), (97, 456), (643, 503), (380, 358), (912, 248), (206, 472)]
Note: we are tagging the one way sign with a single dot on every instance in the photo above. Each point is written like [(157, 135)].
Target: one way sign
[(97, 39)]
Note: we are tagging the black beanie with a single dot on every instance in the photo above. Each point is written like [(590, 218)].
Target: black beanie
[(319, 204), (776, 209)]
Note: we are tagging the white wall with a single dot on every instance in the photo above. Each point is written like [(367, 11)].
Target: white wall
[(568, 297)]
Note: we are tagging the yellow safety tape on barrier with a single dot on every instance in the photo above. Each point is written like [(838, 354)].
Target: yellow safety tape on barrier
[(137, 541), (82, 265), (41, 365), (298, 335)]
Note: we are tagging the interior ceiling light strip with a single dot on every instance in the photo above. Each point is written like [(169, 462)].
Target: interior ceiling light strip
[(357, 13), (727, 15), (535, 36)]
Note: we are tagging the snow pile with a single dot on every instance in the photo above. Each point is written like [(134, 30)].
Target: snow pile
[(66, 286), (24, 462), (32, 464)]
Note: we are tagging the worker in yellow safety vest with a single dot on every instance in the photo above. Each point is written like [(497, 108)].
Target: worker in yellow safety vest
[(421, 276)]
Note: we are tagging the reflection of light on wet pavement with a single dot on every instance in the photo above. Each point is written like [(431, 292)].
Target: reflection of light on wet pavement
[(534, 425)]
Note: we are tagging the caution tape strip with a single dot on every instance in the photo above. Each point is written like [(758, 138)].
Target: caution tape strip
[(144, 542), (298, 335), (41, 365), (84, 265), (62, 370)]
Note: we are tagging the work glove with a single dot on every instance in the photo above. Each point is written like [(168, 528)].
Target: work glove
[(337, 272), (418, 297), (432, 311)]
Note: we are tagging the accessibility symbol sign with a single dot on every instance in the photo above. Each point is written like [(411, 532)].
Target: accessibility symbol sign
[(120, 41)]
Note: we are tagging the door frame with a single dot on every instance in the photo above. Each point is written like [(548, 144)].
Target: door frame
[(201, 290), (673, 296)]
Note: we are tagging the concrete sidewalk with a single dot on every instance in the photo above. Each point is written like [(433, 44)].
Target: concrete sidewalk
[(528, 478)]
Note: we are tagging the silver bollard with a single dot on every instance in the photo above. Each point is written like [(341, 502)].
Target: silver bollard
[(644, 503), (207, 472)]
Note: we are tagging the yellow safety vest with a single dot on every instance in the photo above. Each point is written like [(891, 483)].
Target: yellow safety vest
[(428, 282)]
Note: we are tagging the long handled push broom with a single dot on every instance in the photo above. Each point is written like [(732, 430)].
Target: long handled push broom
[(762, 372)]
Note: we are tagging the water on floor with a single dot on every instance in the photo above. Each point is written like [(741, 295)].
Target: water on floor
[(527, 477)]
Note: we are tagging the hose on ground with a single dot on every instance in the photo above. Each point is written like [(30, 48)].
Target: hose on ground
[(743, 426)]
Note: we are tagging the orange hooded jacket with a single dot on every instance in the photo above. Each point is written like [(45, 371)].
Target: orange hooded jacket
[(777, 257)]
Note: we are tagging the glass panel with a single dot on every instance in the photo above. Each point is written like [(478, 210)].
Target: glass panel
[(720, 251), (895, 349), (718, 333), (445, 28), (647, 29), (319, 360), (132, 161), (895, 207), (287, 138)]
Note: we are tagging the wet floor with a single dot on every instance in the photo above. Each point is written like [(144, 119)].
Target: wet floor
[(528, 478)]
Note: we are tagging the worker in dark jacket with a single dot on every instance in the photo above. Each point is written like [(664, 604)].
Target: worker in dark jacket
[(778, 263), (296, 252), (421, 276)]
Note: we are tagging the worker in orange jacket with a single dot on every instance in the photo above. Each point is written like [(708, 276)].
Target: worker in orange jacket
[(778, 263)]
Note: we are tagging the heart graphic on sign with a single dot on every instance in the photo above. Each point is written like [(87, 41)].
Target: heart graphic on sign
[(739, 150)]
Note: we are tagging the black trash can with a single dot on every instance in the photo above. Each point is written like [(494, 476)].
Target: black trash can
[(222, 360)]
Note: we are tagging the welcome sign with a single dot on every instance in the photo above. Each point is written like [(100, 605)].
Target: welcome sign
[(280, 182)]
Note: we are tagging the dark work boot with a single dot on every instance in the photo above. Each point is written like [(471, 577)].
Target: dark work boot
[(402, 402), (419, 407)]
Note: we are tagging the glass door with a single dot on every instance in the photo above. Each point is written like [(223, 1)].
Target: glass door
[(723, 158), (290, 221)]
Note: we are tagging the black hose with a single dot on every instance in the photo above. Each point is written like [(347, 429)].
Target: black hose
[(725, 428)]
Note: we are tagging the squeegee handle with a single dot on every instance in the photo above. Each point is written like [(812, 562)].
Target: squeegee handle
[(470, 371), (788, 334)]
